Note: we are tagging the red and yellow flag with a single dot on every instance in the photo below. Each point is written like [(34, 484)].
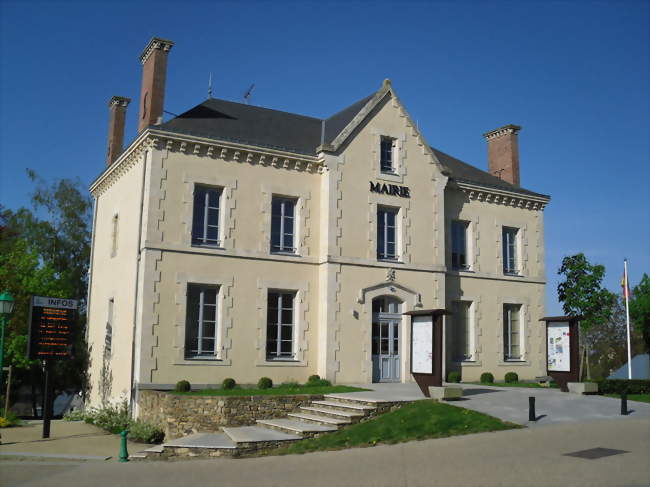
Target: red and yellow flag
[(624, 284)]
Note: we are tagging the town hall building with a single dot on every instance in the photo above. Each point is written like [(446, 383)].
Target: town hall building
[(238, 241)]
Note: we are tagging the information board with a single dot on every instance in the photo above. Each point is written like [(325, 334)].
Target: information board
[(50, 327), (558, 352), (422, 345)]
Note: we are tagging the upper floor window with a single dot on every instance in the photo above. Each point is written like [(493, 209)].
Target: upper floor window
[(114, 228), (205, 220), (387, 152), (510, 250), (108, 337), (387, 233), (512, 333), (459, 259), (280, 325), (201, 321), (283, 217), (463, 331)]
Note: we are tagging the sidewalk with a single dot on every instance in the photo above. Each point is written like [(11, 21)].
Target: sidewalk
[(73, 440)]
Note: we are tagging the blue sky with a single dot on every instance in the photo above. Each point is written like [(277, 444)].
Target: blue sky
[(573, 74)]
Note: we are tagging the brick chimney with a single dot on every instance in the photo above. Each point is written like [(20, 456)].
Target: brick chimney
[(503, 153), (154, 73), (117, 115)]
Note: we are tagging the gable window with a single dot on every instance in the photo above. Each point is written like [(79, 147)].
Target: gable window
[(459, 259), (512, 332), (205, 219), (386, 154), (387, 233), (280, 325), (463, 335), (510, 260), (201, 321), (283, 218)]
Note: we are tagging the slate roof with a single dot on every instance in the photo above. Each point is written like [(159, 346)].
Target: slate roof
[(263, 127)]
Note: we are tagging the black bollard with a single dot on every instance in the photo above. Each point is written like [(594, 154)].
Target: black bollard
[(531, 409), (624, 403)]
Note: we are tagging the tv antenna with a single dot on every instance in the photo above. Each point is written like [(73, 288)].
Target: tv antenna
[(248, 94), (210, 86)]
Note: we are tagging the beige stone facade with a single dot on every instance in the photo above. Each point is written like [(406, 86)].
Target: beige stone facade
[(144, 261)]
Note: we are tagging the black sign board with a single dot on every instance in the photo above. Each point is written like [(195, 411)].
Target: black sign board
[(50, 328)]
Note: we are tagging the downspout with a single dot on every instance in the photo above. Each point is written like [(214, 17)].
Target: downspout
[(137, 281)]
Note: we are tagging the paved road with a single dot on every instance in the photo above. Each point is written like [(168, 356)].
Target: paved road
[(525, 457)]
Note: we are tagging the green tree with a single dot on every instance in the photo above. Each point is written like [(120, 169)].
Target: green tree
[(581, 294), (640, 309)]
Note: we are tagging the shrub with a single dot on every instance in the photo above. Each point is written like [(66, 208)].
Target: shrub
[(228, 383), (74, 415), (145, 432), (183, 386), (112, 418), (318, 383), (313, 378), (617, 386), (453, 376), (511, 377), (264, 383), (291, 385), (487, 378)]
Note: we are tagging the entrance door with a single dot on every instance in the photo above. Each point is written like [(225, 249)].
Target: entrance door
[(386, 326)]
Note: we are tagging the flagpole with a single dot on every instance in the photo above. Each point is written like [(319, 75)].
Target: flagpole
[(626, 293)]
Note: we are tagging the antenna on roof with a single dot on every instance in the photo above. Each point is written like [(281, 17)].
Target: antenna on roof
[(210, 86), (249, 92)]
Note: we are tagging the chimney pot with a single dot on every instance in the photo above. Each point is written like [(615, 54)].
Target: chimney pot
[(154, 75), (117, 115), (503, 153)]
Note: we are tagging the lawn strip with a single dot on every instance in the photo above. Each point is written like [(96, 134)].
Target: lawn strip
[(276, 391)]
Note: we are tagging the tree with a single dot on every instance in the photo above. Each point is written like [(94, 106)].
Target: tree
[(582, 294), (640, 309)]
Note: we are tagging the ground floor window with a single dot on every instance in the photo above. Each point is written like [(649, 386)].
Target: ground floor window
[(512, 332), (201, 321), (280, 325), (463, 336)]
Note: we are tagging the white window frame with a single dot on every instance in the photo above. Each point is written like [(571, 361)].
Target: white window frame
[(199, 353), (278, 354), (507, 332), (381, 222), (203, 239), (469, 353), (510, 250), (393, 153), (282, 249), (466, 237)]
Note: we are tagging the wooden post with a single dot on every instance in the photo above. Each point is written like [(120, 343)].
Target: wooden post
[(8, 390)]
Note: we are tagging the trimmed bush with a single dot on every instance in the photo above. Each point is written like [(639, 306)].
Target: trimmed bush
[(453, 376), (318, 383), (145, 432), (511, 378), (487, 378), (183, 386), (264, 383), (228, 383), (291, 385), (617, 386), (313, 378)]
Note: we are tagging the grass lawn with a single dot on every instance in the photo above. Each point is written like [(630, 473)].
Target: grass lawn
[(632, 397), (276, 391), (418, 420)]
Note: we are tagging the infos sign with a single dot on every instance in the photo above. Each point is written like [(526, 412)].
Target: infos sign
[(558, 353), (51, 321)]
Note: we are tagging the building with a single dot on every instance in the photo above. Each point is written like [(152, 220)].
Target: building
[(238, 241)]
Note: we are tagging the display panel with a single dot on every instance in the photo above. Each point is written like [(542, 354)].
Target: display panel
[(558, 350), (422, 339), (50, 330)]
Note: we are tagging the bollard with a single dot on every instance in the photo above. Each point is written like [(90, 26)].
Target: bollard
[(124, 453), (624, 403), (531, 409)]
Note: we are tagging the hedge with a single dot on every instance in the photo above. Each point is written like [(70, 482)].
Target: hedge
[(617, 386)]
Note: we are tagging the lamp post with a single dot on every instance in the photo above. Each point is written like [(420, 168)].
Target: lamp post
[(6, 307)]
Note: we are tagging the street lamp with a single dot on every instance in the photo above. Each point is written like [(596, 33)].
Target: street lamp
[(6, 307)]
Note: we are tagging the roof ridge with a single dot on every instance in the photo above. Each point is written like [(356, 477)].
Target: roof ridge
[(262, 108)]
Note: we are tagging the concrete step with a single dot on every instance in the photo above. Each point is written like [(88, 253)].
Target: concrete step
[(295, 427), (352, 401), (201, 440), (324, 420), (257, 434), (332, 413), (345, 406)]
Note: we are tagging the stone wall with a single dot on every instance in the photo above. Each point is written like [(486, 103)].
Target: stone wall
[(181, 415)]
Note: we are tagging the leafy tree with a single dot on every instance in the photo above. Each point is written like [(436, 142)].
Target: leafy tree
[(640, 309), (582, 294)]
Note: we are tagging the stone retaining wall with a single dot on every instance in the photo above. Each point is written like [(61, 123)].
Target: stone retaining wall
[(181, 415)]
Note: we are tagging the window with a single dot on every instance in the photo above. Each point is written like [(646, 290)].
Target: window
[(512, 331), (386, 154), (283, 225), (279, 325), (205, 221), (459, 245), (114, 227), (108, 337), (387, 233), (463, 348), (510, 250), (201, 321)]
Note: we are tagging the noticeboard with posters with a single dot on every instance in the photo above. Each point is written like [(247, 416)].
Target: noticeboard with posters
[(51, 325), (558, 347)]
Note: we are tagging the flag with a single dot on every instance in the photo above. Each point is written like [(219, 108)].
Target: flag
[(624, 284)]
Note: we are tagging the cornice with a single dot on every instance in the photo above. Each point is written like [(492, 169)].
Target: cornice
[(155, 43), (503, 197), (501, 131)]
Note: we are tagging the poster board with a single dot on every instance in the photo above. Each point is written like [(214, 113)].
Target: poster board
[(558, 347), (422, 343), (51, 321)]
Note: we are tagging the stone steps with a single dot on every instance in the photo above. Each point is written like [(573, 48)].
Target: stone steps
[(332, 413), (318, 419), (306, 430), (344, 406)]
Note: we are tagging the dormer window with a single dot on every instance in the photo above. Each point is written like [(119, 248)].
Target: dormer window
[(386, 157)]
